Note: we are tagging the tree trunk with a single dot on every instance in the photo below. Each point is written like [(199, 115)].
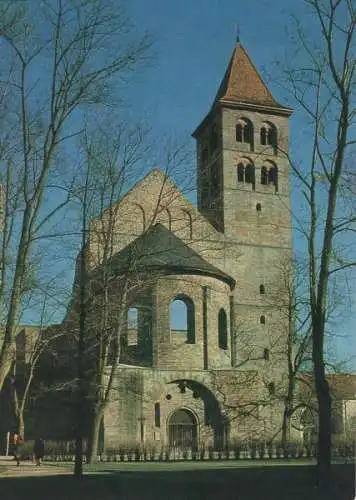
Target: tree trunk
[(21, 423), (6, 359), (286, 426), (288, 408), (324, 406), (94, 438)]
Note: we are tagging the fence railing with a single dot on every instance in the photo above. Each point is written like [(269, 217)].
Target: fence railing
[(259, 451)]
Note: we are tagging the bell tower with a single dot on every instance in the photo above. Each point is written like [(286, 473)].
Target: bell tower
[(243, 190), (241, 152)]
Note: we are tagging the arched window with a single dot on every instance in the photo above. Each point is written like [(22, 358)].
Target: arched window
[(266, 354), (157, 415), (250, 174), (222, 324), (132, 325), (263, 319), (244, 132), (246, 172), (262, 289), (264, 175), (268, 136), (182, 318), (240, 172), (258, 207), (263, 136)]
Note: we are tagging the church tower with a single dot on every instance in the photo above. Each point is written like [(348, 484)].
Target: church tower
[(243, 190)]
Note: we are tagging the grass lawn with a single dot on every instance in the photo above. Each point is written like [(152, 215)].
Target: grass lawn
[(183, 481)]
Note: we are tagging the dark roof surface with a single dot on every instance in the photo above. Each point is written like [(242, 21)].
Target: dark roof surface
[(160, 249)]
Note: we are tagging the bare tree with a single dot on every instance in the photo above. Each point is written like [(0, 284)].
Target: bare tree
[(101, 297), (290, 298), (81, 48), (323, 86)]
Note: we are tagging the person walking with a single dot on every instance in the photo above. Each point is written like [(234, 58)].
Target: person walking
[(38, 451), (18, 447)]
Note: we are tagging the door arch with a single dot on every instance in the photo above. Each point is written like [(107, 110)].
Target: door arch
[(183, 429)]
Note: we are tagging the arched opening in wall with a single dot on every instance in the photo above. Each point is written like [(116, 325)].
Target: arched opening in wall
[(246, 172), (268, 135), (182, 319), (209, 409), (132, 326), (222, 329), (244, 132), (182, 430)]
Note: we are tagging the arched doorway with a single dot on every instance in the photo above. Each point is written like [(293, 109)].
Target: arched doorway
[(182, 429)]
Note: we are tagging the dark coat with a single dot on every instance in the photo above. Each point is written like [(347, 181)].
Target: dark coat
[(38, 448)]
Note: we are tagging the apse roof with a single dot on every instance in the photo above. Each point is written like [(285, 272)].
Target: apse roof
[(160, 249)]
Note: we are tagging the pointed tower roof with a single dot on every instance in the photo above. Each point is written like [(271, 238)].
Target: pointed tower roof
[(242, 87), (242, 82)]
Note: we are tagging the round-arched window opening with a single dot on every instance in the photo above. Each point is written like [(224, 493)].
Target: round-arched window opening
[(222, 327), (258, 207), (262, 289), (182, 318), (168, 397), (263, 319)]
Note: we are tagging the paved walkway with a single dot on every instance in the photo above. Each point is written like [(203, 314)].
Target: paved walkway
[(8, 468)]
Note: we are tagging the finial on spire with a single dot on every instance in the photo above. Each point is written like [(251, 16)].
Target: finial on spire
[(237, 27)]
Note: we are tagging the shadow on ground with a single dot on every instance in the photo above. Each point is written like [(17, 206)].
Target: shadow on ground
[(267, 483)]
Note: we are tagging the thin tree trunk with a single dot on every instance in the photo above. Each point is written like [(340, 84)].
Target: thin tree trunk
[(6, 360), (286, 425), (21, 423), (324, 405), (94, 438)]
